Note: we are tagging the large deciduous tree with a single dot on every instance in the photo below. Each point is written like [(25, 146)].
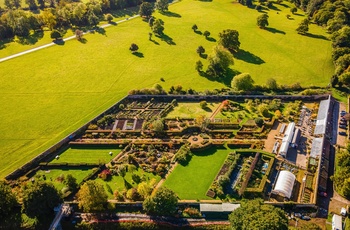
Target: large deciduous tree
[(219, 62), (158, 27), (262, 21), (230, 40), (92, 196), (146, 9), (243, 82), (163, 202), (162, 5), (254, 214), (39, 200), (303, 27), (10, 217)]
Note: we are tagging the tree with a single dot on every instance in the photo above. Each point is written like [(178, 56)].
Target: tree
[(158, 126), (71, 182), (194, 27), (200, 50), (158, 27), (243, 82), (10, 215), (199, 66), (32, 4), (259, 121), (219, 61), (206, 34), (41, 4), (55, 34), (133, 47), (230, 40), (262, 21), (79, 34), (162, 5), (293, 10), (334, 80), (39, 200), (109, 17), (345, 78), (146, 9), (254, 214), (303, 27), (164, 202), (122, 171), (144, 189), (92, 196), (203, 104), (271, 84)]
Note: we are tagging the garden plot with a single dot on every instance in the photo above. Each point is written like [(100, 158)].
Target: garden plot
[(192, 110)]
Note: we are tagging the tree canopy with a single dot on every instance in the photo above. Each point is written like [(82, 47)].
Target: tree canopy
[(40, 199), (163, 202), (219, 61), (262, 20), (10, 217), (303, 27), (162, 5), (92, 196), (254, 214), (243, 82), (146, 9), (230, 40)]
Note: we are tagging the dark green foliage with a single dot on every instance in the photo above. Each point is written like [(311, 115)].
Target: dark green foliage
[(341, 176), (199, 66), (10, 215), (254, 214), (70, 182), (39, 199), (136, 178), (133, 47), (200, 50), (194, 27), (163, 202), (158, 27), (146, 9), (338, 52), (230, 40), (259, 121), (303, 27), (262, 20), (55, 34), (183, 155), (219, 62), (162, 5), (243, 82)]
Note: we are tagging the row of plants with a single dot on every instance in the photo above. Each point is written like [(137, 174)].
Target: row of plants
[(222, 179)]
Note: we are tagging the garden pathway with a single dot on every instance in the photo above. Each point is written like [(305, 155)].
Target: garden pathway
[(218, 109)]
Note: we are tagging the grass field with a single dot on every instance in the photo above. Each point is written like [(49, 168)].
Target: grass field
[(192, 181), (78, 155), (46, 95), (53, 174), (192, 110)]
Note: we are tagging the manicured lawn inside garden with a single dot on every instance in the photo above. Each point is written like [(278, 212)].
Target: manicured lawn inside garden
[(48, 94), (192, 181), (53, 175), (79, 155), (120, 184), (192, 110)]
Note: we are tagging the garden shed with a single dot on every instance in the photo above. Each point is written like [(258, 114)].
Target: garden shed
[(285, 183)]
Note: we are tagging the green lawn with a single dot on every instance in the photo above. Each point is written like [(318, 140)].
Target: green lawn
[(192, 110), (48, 94), (91, 155), (53, 174), (192, 181), (117, 182)]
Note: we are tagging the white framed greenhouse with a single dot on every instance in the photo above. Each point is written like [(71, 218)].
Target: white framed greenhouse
[(285, 183)]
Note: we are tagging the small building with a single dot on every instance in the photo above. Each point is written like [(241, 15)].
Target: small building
[(322, 117), (287, 139), (337, 222), (217, 210), (285, 184), (296, 138)]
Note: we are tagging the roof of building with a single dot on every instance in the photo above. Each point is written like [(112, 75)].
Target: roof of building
[(285, 183), (322, 115), (296, 136), (337, 222), (316, 147), (224, 207), (288, 135)]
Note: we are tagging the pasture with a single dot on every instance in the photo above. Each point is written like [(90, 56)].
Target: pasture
[(48, 94)]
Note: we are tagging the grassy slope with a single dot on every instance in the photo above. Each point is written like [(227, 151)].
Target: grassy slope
[(47, 94), (192, 181)]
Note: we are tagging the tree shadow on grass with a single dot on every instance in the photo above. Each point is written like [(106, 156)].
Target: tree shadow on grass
[(83, 40), (211, 39), (101, 31), (127, 185), (204, 56), (155, 42), (32, 38), (171, 14), (4, 42), (226, 79), (198, 32), (138, 54), (59, 42), (248, 57), (274, 30), (317, 36), (207, 152), (167, 39), (207, 109), (125, 12), (282, 4)]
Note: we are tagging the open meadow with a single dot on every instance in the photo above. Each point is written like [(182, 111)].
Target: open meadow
[(46, 95)]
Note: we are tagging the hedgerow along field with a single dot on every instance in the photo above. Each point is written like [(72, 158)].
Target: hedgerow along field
[(48, 94)]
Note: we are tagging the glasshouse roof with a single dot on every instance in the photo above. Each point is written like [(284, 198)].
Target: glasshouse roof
[(285, 183)]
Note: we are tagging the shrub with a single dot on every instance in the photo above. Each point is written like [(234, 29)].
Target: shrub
[(136, 178), (191, 212), (105, 174), (132, 194), (259, 121), (203, 104)]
